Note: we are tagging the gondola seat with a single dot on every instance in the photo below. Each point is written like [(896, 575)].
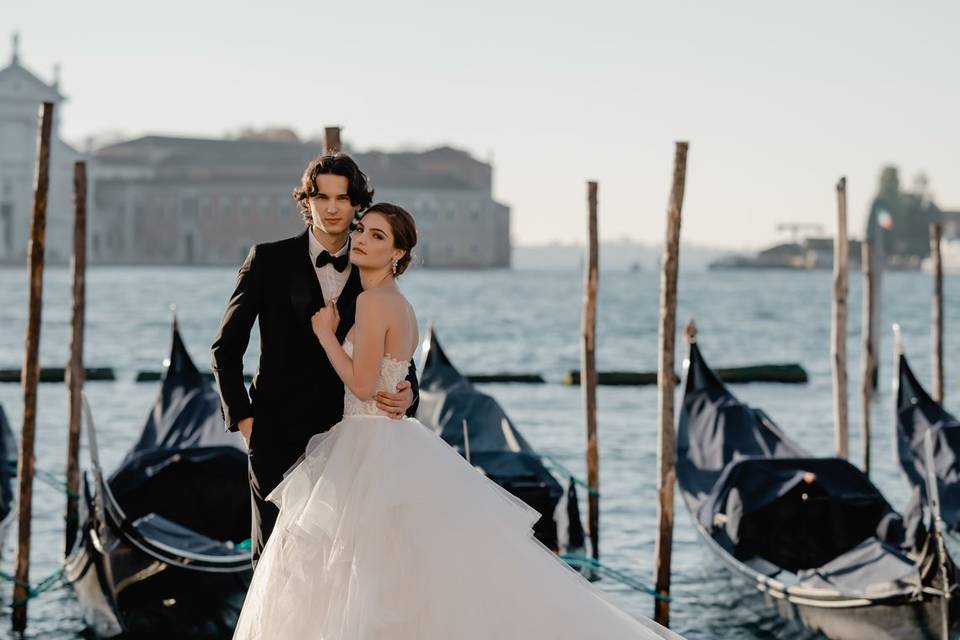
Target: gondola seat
[(797, 513), (160, 530), (187, 487), (872, 569)]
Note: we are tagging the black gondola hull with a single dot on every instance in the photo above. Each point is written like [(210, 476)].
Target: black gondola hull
[(5, 526), (918, 413), (125, 589), (838, 617), (849, 566), (160, 549), (8, 473)]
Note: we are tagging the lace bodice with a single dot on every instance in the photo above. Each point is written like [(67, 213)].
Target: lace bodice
[(392, 372)]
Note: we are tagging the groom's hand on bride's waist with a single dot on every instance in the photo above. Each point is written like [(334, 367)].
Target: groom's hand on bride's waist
[(396, 404)]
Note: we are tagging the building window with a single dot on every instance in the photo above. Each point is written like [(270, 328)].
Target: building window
[(188, 206)]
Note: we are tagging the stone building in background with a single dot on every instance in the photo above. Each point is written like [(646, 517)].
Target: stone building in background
[(21, 93), (167, 200)]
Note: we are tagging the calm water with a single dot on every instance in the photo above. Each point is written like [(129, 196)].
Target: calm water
[(523, 321)]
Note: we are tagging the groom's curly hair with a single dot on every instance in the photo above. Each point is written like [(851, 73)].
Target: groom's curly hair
[(338, 164)]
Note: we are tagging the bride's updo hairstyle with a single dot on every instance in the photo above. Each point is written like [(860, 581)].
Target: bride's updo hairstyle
[(404, 230)]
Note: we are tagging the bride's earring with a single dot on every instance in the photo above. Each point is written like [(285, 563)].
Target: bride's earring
[(394, 267)]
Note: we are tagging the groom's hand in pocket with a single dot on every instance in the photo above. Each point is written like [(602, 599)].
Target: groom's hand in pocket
[(396, 404)]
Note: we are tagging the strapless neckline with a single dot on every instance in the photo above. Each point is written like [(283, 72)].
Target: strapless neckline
[(392, 372)]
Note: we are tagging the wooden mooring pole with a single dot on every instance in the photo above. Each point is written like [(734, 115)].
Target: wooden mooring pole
[(666, 446), (75, 371), (588, 364), (31, 369), (868, 370), (936, 231), (838, 328), (332, 140)]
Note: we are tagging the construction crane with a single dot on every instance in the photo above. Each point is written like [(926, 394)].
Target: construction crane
[(796, 227)]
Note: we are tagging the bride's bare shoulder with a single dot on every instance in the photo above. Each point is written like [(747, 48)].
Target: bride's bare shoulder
[(381, 300)]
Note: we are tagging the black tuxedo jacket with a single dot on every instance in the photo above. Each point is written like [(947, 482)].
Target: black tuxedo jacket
[(296, 392)]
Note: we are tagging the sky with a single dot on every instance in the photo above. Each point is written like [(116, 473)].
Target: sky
[(777, 100)]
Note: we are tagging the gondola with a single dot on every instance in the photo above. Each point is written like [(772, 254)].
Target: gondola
[(8, 474), (813, 535), (448, 401), (163, 547), (918, 413)]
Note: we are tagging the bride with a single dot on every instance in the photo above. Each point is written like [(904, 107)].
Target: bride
[(385, 531)]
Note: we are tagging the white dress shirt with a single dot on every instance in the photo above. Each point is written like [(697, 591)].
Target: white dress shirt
[(331, 280)]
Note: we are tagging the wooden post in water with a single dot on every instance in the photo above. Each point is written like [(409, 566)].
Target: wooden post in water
[(588, 364), (332, 139), (30, 376), (75, 372), (666, 465), (868, 357), (936, 231), (839, 325)]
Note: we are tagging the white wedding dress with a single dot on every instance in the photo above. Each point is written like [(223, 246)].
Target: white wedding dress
[(386, 533)]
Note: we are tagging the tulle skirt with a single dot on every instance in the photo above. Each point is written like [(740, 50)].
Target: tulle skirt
[(386, 532)]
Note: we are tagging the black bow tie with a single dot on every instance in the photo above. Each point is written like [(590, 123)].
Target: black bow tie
[(339, 262)]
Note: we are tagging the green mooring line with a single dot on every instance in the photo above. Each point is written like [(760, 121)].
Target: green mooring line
[(47, 584), (552, 461), (579, 561)]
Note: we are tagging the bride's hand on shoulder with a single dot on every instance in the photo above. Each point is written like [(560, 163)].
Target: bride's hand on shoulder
[(325, 322)]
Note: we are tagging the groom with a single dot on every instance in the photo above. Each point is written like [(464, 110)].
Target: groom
[(296, 393)]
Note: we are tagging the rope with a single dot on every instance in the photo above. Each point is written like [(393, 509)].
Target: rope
[(563, 470), (578, 561), (54, 482), (47, 584)]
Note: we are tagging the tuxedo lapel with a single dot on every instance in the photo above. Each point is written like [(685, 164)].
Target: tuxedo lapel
[(347, 303), (305, 293)]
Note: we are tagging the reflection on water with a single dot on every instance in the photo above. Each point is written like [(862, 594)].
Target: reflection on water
[(525, 321)]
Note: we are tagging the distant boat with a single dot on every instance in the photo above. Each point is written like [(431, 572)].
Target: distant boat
[(949, 256), (813, 535), (163, 545), (8, 475), (448, 399)]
